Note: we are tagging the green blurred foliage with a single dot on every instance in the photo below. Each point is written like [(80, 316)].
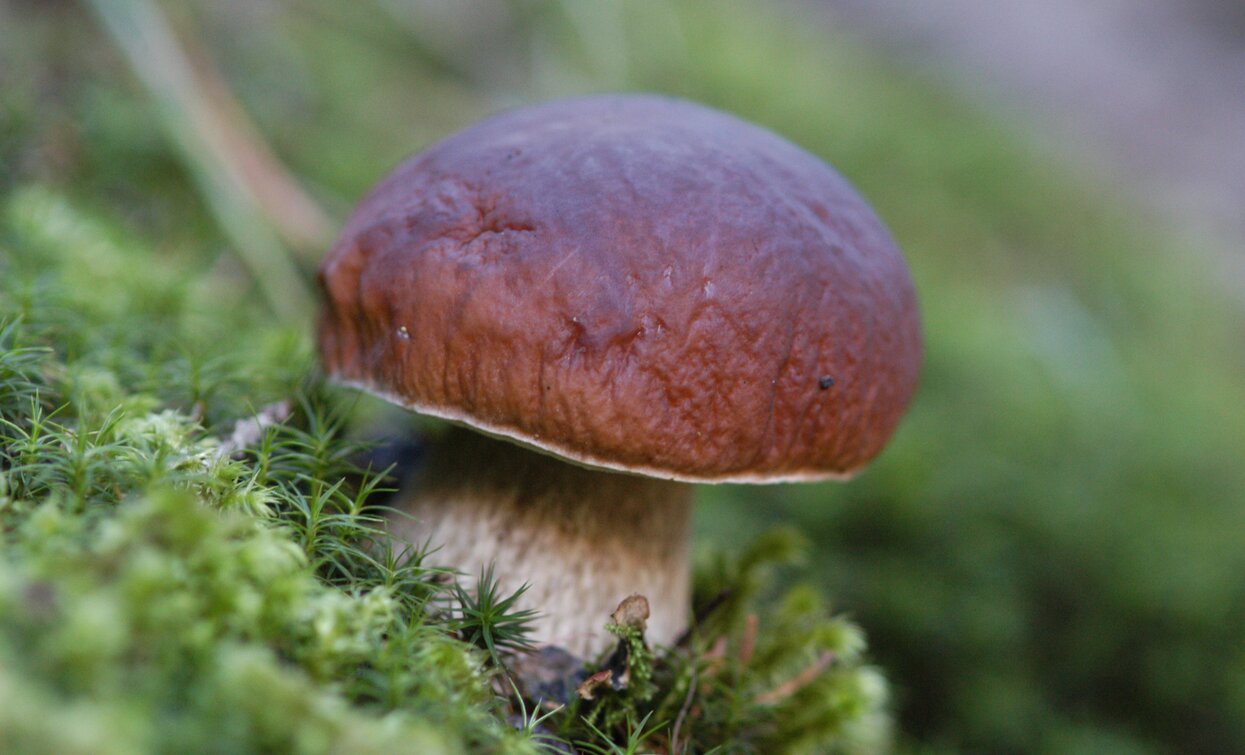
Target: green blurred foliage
[(1050, 557)]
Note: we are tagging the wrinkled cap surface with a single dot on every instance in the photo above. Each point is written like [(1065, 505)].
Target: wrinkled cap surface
[(631, 282)]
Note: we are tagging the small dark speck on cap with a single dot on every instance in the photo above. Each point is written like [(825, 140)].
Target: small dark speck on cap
[(824, 382)]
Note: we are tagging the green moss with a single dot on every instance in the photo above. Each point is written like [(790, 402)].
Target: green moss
[(160, 594)]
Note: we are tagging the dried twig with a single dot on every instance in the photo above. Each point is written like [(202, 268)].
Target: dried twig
[(235, 172), (749, 642), (797, 682), (295, 215)]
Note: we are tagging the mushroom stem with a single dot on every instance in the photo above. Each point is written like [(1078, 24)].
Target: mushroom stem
[(583, 539)]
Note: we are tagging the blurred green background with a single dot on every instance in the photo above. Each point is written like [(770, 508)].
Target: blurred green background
[(1050, 557)]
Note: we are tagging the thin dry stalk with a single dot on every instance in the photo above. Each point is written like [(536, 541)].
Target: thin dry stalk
[(676, 746), (211, 138), (797, 682)]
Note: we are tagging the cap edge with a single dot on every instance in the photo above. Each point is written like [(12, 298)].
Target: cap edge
[(581, 459)]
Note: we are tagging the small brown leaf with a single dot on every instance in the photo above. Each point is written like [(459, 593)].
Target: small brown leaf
[(587, 689)]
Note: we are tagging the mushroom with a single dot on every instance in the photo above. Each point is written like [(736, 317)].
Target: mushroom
[(612, 298)]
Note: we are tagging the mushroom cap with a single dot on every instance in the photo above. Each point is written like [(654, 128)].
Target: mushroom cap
[(631, 282)]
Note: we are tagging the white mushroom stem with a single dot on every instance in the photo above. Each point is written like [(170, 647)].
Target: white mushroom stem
[(582, 539)]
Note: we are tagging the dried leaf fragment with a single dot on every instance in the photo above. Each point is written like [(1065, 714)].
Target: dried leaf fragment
[(587, 690), (632, 612)]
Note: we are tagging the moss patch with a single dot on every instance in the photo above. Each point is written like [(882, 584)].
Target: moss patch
[(160, 591)]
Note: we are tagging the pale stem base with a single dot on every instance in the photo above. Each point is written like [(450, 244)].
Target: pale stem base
[(582, 539)]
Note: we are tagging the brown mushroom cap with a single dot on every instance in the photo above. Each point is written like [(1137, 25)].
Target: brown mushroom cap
[(631, 282)]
